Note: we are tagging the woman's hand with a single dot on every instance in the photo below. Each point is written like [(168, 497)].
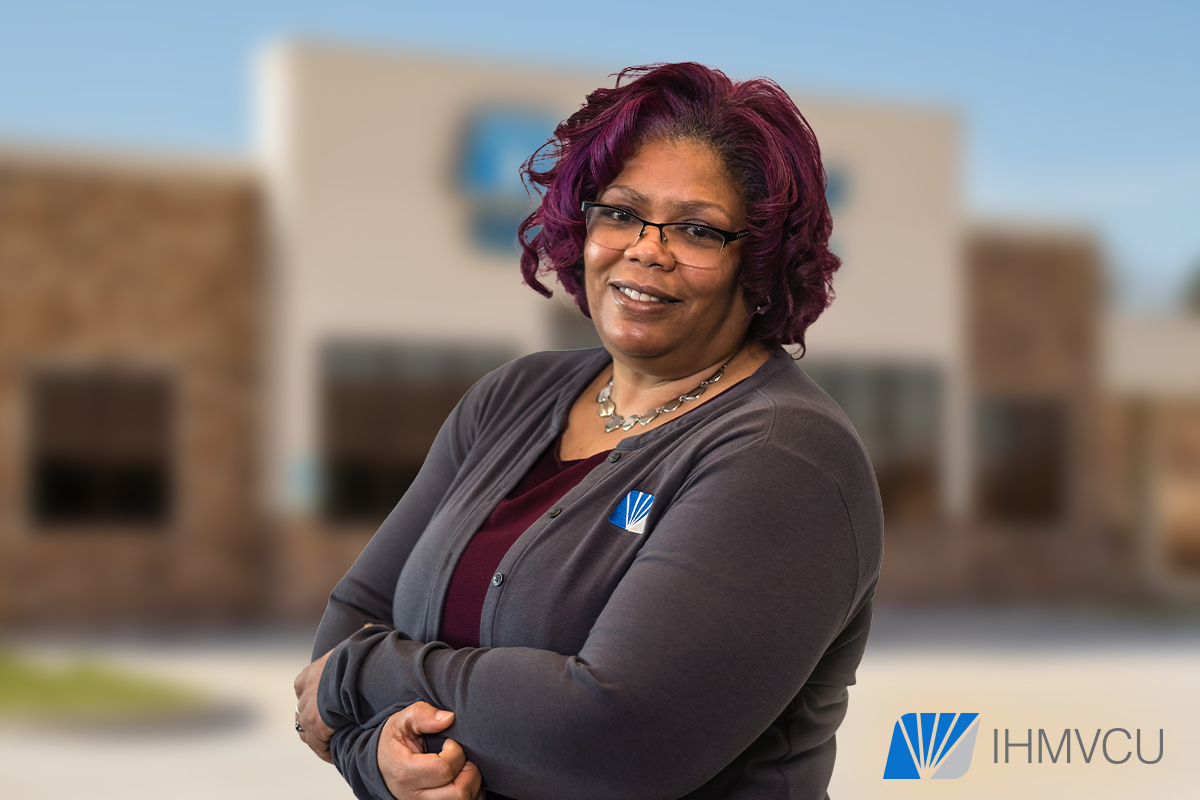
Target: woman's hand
[(312, 729), (412, 773)]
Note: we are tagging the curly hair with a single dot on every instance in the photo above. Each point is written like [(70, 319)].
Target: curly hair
[(759, 135)]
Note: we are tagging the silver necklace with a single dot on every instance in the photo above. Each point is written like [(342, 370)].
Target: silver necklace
[(613, 420)]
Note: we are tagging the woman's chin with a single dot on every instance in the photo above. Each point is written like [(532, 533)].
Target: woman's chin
[(636, 344)]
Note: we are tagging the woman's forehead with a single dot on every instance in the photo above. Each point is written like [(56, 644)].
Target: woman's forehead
[(679, 177)]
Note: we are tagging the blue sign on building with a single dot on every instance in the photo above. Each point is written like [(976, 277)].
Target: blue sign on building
[(497, 142), (836, 186)]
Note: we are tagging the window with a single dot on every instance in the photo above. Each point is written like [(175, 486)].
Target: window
[(1022, 457), (100, 449), (896, 410), (381, 407)]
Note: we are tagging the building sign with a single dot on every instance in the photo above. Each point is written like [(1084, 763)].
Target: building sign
[(497, 142)]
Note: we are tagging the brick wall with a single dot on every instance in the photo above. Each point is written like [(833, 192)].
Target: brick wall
[(1033, 316), (155, 271)]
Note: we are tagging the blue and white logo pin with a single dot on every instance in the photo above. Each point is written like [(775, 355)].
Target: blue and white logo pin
[(932, 746), (631, 514)]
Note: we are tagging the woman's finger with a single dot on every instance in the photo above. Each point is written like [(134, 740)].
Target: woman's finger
[(410, 725), (472, 780), (421, 718), (467, 785), (413, 772), (409, 771), (452, 753)]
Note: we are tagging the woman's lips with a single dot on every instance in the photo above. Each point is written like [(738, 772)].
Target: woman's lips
[(645, 293), (632, 299), (636, 295)]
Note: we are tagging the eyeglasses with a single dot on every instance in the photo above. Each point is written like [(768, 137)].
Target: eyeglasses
[(687, 242)]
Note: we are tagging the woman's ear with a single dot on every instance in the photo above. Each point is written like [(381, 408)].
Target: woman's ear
[(755, 308)]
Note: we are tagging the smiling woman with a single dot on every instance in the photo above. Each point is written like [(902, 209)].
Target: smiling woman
[(648, 295), (673, 610)]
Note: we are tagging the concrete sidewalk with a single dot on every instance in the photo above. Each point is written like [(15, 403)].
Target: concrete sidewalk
[(260, 757), (1020, 673)]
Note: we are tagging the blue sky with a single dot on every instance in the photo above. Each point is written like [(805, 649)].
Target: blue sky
[(1086, 113)]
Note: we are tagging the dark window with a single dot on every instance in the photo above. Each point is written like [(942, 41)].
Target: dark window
[(1021, 447), (381, 407), (101, 449), (896, 410)]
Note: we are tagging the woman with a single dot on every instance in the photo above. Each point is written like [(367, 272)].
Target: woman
[(656, 604)]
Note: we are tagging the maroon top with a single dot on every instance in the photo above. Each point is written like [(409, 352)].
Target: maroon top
[(549, 480)]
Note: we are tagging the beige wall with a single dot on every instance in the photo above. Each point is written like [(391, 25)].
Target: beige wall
[(900, 288), (900, 292), (1151, 356)]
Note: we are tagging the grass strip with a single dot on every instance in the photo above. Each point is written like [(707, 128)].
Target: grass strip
[(86, 689)]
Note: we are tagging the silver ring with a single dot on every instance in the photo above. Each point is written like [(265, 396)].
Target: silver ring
[(298, 728)]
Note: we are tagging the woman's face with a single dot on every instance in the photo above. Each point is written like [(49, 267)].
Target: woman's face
[(699, 315)]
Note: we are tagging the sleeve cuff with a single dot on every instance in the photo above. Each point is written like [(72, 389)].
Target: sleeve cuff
[(355, 754), (338, 687)]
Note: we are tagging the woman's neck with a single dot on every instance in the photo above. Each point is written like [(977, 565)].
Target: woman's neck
[(637, 389)]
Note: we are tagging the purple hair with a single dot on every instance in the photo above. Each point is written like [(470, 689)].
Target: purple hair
[(760, 136)]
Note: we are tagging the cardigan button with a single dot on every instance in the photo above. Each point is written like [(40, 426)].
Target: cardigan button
[(554, 512), (498, 579), (614, 456)]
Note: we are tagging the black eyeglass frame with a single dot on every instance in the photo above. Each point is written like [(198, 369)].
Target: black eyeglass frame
[(726, 236)]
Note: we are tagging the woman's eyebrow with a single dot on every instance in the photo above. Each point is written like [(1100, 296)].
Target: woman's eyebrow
[(631, 194), (698, 205)]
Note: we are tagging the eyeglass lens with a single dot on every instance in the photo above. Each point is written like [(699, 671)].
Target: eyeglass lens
[(694, 245)]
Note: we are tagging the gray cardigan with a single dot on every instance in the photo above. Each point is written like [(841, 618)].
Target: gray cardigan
[(685, 621)]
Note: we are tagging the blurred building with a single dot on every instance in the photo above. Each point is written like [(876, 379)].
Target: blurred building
[(217, 382), (1151, 442), (130, 357), (1033, 305)]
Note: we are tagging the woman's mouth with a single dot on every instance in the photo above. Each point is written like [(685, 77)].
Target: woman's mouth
[(636, 295), (638, 292)]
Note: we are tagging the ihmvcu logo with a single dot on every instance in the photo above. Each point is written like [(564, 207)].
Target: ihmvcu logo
[(932, 746), (631, 514)]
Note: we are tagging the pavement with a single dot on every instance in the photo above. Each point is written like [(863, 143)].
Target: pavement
[(255, 754), (1021, 671)]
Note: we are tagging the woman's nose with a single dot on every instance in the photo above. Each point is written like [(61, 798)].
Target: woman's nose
[(650, 249)]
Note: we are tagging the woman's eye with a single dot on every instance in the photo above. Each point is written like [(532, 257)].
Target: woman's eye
[(615, 216), (699, 233)]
